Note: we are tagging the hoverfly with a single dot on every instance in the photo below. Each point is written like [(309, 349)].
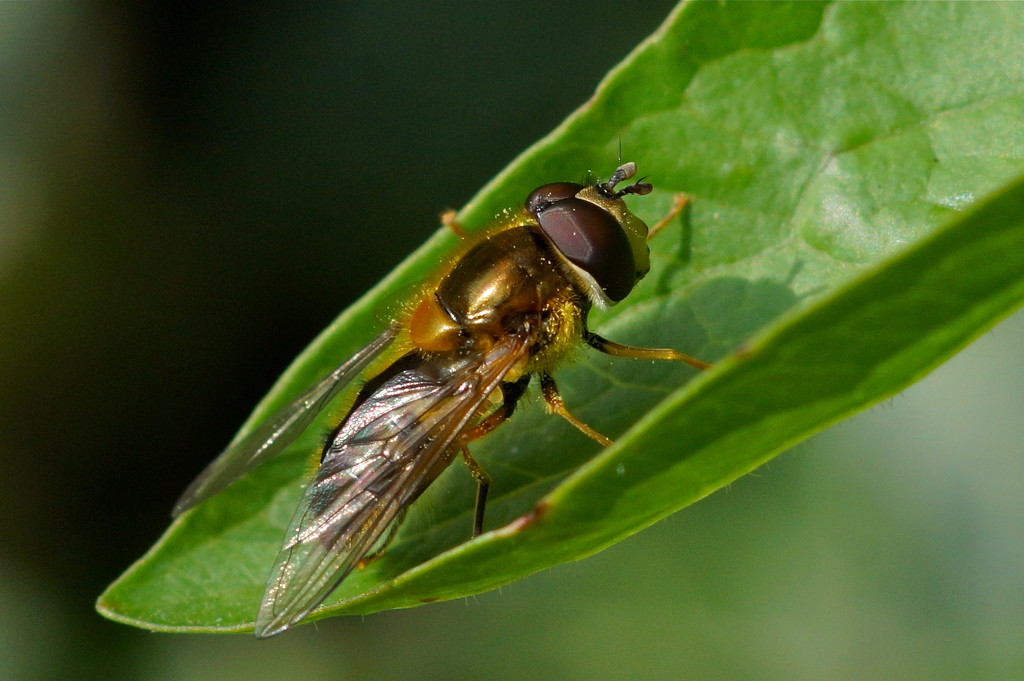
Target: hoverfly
[(512, 306)]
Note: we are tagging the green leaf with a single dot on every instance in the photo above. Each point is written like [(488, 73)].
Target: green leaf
[(836, 249)]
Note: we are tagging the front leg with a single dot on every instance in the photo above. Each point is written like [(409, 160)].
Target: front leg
[(618, 350)]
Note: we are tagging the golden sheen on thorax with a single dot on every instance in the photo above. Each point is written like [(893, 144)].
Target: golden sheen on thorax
[(512, 305)]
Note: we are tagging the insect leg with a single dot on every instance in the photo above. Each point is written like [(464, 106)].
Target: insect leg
[(375, 553), (618, 350), (510, 394), (557, 405), (483, 483), (449, 220), (678, 203)]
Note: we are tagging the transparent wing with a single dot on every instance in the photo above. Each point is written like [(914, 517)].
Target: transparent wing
[(392, 445), (280, 430)]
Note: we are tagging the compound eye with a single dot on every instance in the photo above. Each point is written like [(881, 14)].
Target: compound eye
[(542, 197), (592, 240)]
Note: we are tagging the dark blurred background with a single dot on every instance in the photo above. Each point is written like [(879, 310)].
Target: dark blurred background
[(187, 196)]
